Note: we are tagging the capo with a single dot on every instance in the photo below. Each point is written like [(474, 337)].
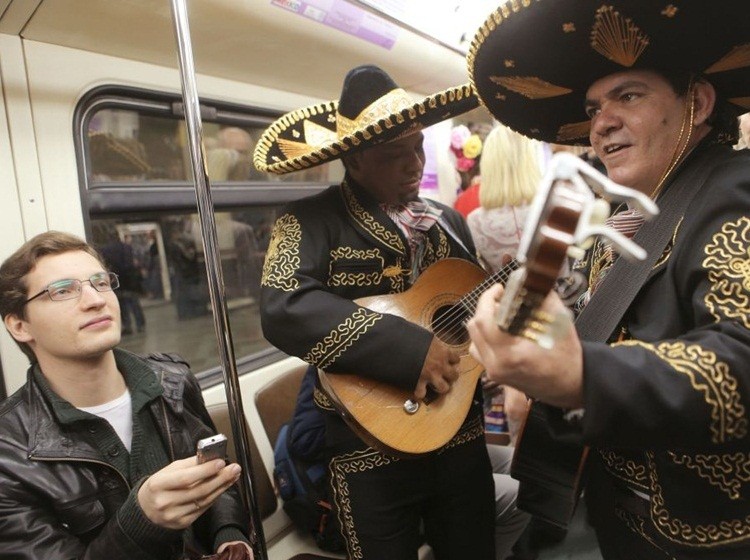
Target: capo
[(565, 215)]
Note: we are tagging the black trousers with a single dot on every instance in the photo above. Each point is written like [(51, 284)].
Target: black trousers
[(388, 507)]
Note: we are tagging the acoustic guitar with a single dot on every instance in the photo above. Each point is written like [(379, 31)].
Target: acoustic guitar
[(442, 299)]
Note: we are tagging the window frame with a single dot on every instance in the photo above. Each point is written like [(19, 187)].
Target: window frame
[(107, 199)]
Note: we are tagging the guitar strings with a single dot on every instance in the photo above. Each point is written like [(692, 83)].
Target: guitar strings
[(455, 319), (452, 323)]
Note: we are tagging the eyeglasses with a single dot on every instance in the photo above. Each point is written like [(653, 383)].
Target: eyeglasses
[(71, 289)]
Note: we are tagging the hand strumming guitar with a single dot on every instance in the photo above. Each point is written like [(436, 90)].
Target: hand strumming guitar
[(553, 376), (439, 371)]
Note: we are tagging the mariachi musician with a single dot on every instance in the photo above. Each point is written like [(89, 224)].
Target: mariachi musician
[(373, 235), (655, 375)]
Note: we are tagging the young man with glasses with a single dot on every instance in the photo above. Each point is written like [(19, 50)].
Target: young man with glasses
[(97, 448)]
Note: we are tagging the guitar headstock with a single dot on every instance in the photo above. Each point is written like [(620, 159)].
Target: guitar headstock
[(565, 214)]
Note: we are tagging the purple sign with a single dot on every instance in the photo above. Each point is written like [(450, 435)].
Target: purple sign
[(341, 15), (429, 184)]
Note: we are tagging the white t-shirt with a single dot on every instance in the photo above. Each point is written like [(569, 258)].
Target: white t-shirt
[(119, 414)]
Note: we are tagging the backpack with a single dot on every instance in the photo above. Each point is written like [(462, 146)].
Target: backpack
[(303, 486)]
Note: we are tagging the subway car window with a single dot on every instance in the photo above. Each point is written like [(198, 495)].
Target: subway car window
[(137, 190), (136, 148)]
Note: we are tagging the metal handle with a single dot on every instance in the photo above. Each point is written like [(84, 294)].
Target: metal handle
[(213, 270)]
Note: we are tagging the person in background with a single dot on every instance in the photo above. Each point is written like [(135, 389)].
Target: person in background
[(466, 148), (190, 291), (118, 254), (97, 448), (663, 396), (510, 173), (154, 287)]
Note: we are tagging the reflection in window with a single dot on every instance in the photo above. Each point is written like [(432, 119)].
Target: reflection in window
[(137, 185), (163, 292), (129, 146)]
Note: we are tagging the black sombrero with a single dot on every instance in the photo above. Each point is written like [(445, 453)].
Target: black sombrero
[(532, 61), (372, 109)]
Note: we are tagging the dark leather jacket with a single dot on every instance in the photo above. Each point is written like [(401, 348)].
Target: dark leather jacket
[(59, 499)]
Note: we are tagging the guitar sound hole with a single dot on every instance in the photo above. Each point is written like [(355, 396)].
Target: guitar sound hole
[(448, 325)]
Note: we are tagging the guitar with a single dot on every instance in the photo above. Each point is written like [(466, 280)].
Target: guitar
[(442, 299), (564, 216), (445, 296)]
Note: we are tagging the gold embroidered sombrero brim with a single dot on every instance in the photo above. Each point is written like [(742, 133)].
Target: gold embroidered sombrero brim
[(318, 134), (117, 156), (532, 61)]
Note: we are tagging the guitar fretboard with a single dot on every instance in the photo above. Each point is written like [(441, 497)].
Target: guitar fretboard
[(470, 300), (450, 326)]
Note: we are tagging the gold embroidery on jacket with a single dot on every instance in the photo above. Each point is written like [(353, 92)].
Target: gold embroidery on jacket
[(339, 278), (340, 467), (325, 352), (397, 274), (638, 526), (369, 223), (282, 257), (624, 468), (444, 249), (322, 400), (668, 249), (677, 530), (471, 431), (728, 264), (728, 471), (712, 378)]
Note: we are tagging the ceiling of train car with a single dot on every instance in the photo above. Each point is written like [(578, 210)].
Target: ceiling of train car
[(452, 22), (254, 41)]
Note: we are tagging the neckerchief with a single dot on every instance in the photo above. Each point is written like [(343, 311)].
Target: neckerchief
[(413, 219), (627, 222)]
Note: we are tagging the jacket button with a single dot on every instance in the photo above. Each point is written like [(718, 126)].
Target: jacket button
[(114, 451), (92, 429)]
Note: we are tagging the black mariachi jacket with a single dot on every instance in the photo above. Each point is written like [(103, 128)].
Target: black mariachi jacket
[(668, 407), (334, 247), (55, 488)]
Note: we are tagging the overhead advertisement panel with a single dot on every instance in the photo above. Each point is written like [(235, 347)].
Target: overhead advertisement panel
[(345, 17)]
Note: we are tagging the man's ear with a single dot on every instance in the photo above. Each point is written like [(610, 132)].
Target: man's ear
[(18, 328), (704, 96)]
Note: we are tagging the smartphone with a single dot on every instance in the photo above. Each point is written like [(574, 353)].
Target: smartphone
[(214, 447)]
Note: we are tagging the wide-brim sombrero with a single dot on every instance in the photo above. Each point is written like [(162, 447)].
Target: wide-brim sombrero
[(380, 112), (532, 61)]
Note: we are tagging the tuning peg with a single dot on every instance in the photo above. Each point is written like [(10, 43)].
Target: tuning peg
[(546, 328)]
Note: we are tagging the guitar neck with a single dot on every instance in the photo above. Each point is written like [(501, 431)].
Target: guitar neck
[(470, 300)]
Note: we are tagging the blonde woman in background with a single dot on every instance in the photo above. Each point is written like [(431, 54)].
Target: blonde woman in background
[(510, 172)]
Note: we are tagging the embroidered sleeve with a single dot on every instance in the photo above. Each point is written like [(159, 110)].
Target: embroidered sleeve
[(728, 264), (282, 257)]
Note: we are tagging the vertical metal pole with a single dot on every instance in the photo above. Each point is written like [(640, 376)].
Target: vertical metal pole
[(213, 270)]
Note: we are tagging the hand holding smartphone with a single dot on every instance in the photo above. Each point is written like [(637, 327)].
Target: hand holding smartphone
[(214, 447)]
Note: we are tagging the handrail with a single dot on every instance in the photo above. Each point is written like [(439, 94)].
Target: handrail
[(214, 272)]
